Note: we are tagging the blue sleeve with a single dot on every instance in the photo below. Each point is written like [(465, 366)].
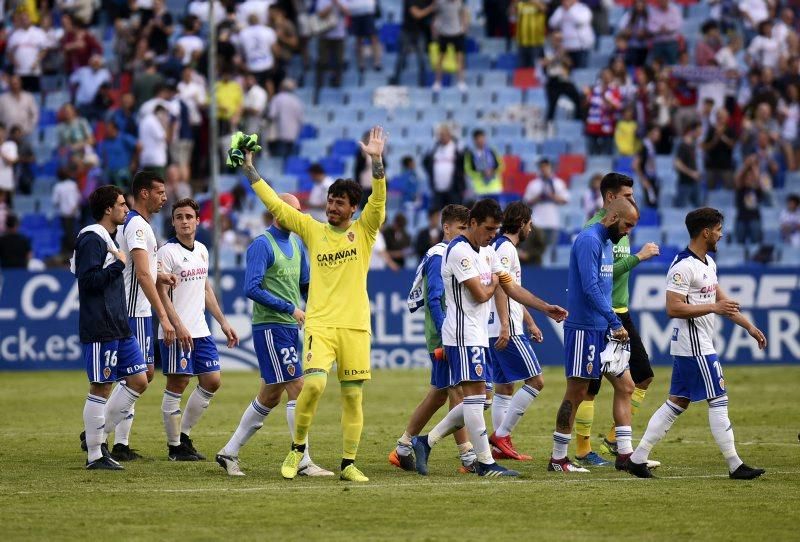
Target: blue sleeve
[(433, 272), (129, 141), (590, 252), (259, 258), (90, 254), (305, 272)]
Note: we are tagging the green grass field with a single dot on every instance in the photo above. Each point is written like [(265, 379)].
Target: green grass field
[(46, 494)]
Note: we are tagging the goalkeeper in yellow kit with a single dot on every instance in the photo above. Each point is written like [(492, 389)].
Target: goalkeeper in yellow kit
[(337, 321)]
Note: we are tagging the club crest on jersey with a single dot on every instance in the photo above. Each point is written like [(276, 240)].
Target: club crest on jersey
[(107, 372), (351, 236), (290, 369), (589, 367), (465, 264), (184, 363), (479, 369), (722, 384)]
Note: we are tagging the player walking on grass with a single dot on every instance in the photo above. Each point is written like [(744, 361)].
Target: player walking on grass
[(471, 273), (337, 314), (428, 290), (276, 280), (194, 351), (613, 186), (585, 331), (693, 298), (110, 351)]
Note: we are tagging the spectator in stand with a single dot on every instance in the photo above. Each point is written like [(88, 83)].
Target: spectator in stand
[(286, 113), (74, 133), (764, 50), (784, 31), (153, 139), (789, 113), (398, 240), (545, 195), (689, 177), (444, 165), (330, 52), (450, 25), (193, 92), (592, 200), (18, 107), (709, 44), (26, 159), (753, 12), (415, 34), (26, 48), (53, 60), (125, 115), (200, 10), (15, 248), (190, 41), (769, 156), (9, 154), (77, 43), (495, 13), (664, 22), (288, 42), (117, 152), (66, 199), (258, 45), (429, 235), (664, 107), (625, 139), (86, 83), (318, 196), (790, 221), (644, 165), (635, 31), (230, 101), (718, 146), (407, 184), (255, 106), (574, 20), (622, 79), (749, 195), (605, 101), (158, 29), (483, 167), (146, 82), (172, 65), (557, 66), (362, 25), (531, 18)]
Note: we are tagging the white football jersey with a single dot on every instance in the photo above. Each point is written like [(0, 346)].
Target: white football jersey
[(189, 295), (466, 320), (696, 281), (508, 259), (137, 233)]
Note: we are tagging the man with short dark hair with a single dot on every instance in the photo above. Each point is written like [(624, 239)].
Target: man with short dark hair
[(689, 176), (483, 167), (15, 248), (694, 297)]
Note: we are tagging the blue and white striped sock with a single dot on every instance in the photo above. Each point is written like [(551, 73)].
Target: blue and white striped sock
[(657, 427), (722, 430), (624, 435), (93, 423), (252, 420), (519, 404), (560, 444)]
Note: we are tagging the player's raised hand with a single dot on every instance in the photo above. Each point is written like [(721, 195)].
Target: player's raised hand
[(118, 254), (230, 333), (759, 336), (726, 307), (559, 314), (648, 251), (620, 335), (299, 316), (503, 338), (375, 143)]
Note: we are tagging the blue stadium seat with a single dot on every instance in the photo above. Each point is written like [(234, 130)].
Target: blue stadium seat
[(344, 147), (508, 131), (554, 147), (47, 117), (646, 234), (508, 96), (507, 62), (525, 148), (333, 165), (308, 131), (389, 34), (478, 62), (331, 96), (648, 217), (624, 164), (296, 165)]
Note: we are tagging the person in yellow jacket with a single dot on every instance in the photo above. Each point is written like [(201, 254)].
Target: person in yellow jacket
[(483, 167)]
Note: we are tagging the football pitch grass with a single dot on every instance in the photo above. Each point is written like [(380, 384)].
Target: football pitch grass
[(46, 494)]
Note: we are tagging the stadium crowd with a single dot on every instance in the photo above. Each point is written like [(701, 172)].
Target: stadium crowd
[(699, 101)]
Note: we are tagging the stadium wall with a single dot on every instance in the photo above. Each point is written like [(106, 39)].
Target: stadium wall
[(39, 318)]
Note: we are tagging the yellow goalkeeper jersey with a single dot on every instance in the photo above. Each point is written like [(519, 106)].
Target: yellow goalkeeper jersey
[(339, 259)]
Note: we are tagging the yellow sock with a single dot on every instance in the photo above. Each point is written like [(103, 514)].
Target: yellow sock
[(583, 427), (636, 401), (307, 401), (352, 418)]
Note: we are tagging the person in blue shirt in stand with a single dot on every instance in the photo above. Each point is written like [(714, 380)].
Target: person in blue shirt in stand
[(591, 319), (276, 278)]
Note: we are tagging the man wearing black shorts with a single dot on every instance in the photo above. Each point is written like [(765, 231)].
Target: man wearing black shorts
[(613, 186), (450, 25)]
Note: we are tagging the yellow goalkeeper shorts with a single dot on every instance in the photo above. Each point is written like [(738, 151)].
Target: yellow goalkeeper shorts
[(349, 348)]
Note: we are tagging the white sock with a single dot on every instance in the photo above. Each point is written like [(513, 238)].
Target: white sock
[(560, 444), (624, 435), (195, 407), (93, 423), (499, 409), (657, 427), (722, 430), (119, 407), (252, 420), (476, 427), (171, 412), (290, 410), (449, 425), (519, 404), (404, 444)]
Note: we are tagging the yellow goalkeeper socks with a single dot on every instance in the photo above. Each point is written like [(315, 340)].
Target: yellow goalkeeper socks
[(636, 401), (352, 418), (307, 401), (583, 427)]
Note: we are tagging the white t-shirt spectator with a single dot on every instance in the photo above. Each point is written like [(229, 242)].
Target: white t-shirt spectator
[(8, 157), (88, 82), (791, 120), (25, 46), (444, 166), (664, 24), (200, 10), (190, 44), (153, 139), (286, 109), (791, 219), (756, 9), (339, 31), (195, 96), (318, 198), (546, 212), (575, 25), (726, 59), (361, 7), (259, 8), (256, 99), (766, 52), (67, 198), (448, 21), (255, 43)]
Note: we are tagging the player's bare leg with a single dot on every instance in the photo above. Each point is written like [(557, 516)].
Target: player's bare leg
[(565, 420)]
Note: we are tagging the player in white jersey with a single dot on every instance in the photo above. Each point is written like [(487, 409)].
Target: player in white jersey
[(471, 274), (194, 351), (693, 300), (138, 242)]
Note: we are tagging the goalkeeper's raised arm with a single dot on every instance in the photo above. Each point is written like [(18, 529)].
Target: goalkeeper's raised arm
[(375, 210)]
